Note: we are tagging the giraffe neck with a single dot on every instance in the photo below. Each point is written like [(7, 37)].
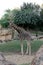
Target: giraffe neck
[(18, 29), (21, 30)]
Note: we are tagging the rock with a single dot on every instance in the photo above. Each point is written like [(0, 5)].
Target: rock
[(6, 63), (38, 59), (2, 57), (3, 61)]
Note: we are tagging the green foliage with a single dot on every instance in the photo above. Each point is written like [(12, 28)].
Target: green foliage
[(41, 20), (4, 23), (28, 16), (36, 45), (14, 46), (26, 64)]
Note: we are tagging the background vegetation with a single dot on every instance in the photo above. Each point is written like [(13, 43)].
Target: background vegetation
[(14, 46), (29, 16)]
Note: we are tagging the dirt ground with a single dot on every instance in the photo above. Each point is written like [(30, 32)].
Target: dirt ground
[(19, 59)]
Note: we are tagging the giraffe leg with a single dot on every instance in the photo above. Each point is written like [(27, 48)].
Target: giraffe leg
[(22, 49), (28, 48)]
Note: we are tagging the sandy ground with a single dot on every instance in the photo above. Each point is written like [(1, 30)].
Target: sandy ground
[(19, 59)]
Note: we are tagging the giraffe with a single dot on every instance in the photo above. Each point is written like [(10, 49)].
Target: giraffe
[(23, 35)]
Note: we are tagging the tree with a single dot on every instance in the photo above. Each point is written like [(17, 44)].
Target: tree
[(41, 20), (6, 19), (4, 23), (28, 15)]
